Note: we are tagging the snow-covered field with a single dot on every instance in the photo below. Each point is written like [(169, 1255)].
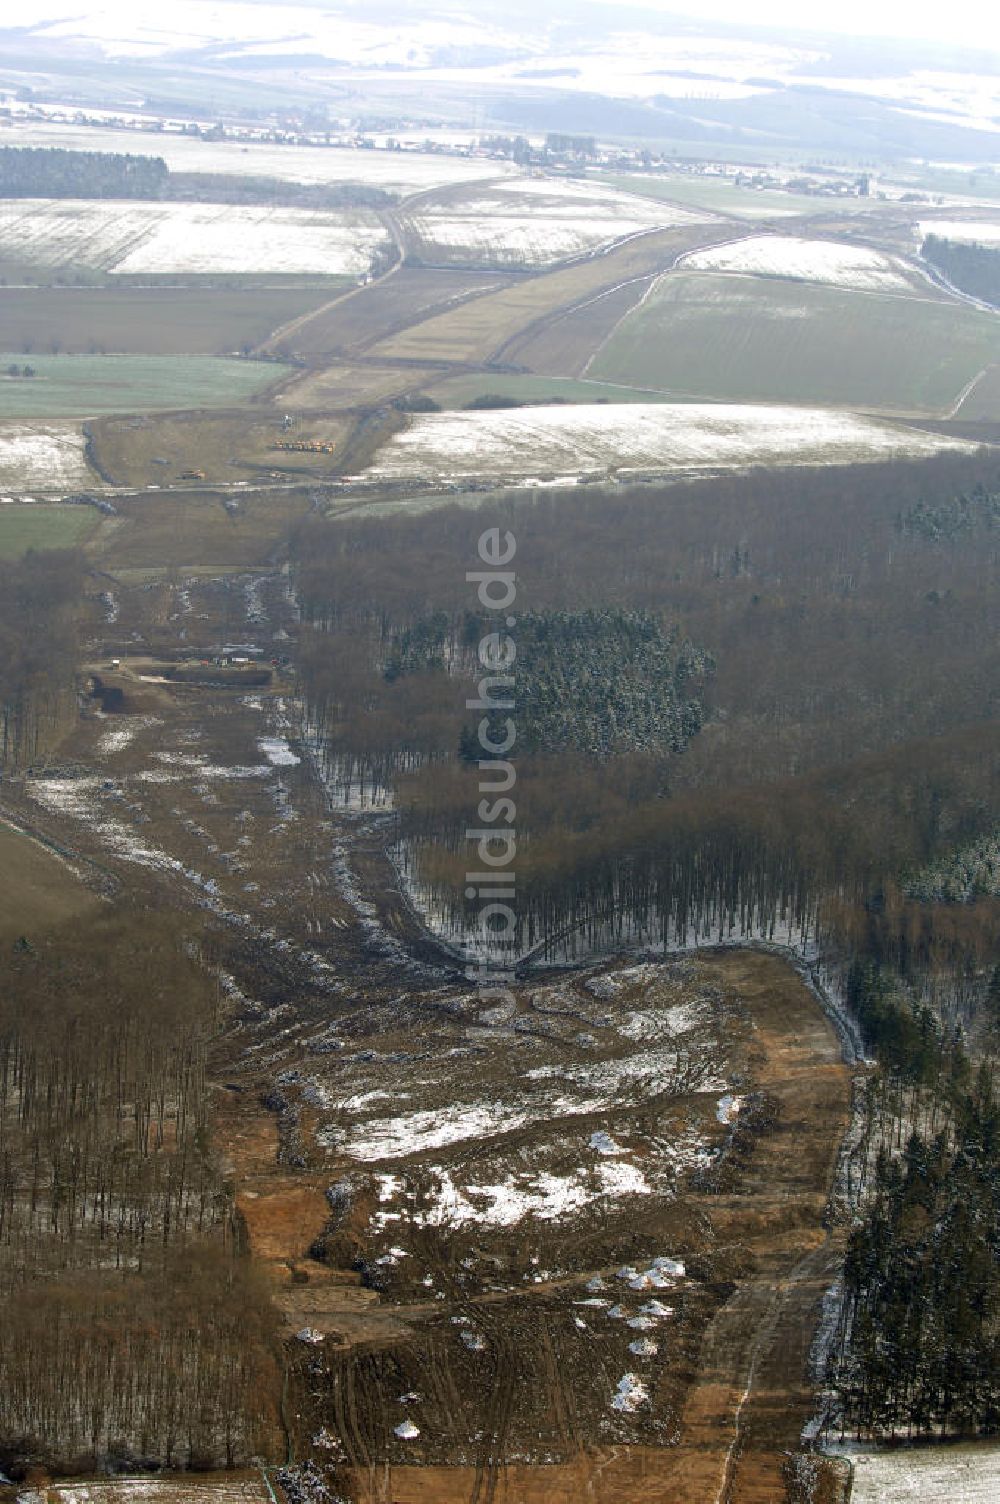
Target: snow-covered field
[(562, 443), (535, 221), (550, 1095), (42, 456), (969, 231), (395, 171), (960, 1474), (167, 237), (831, 263), (211, 1489)]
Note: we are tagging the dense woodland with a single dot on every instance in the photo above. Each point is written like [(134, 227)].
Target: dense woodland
[(848, 733), (917, 1350), (840, 781), (134, 1327), (39, 598), (974, 269), (55, 172)]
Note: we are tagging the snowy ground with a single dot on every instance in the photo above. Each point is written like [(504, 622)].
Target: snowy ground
[(565, 442), (961, 1474), (211, 1489), (970, 231), (158, 238), (461, 1157), (831, 263), (43, 456), (395, 171), (535, 221)]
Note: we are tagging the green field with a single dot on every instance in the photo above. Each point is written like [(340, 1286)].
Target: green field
[(459, 391), (146, 321), (24, 527), (719, 195), (81, 386), (746, 339)]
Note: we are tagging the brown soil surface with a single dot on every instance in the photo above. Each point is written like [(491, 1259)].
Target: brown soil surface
[(751, 1395)]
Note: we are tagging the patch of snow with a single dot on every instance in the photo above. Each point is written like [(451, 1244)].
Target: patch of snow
[(967, 231), (47, 456), (657, 437), (393, 171), (952, 1474), (631, 1394), (277, 751), (140, 238), (828, 262), (535, 221)]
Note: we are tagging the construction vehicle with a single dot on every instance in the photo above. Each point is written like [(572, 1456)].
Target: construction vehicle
[(304, 446)]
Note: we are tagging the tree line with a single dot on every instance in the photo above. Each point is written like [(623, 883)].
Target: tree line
[(974, 269), (135, 1329), (57, 172), (39, 603), (61, 172)]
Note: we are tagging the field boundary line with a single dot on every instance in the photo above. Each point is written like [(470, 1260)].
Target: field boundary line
[(968, 390)]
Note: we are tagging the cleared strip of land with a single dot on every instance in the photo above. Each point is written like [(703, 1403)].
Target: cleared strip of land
[(476, 330)]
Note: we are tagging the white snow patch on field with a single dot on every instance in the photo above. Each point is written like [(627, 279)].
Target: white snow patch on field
[(960, 1474), (544, 1196), (530, 443), (278, 753), (413, 1132), (728, 1108), (151, 1491), (660, 1023), (46, 456), (571, 1091), (139, 237), (969, 231), (631, 1394), (829, 262), (394, 171), (530, 221), (121, 735)]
